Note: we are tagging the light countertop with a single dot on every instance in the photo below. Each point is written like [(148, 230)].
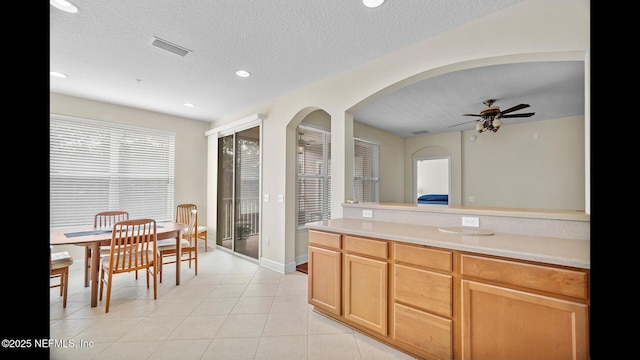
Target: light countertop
[(550, 250), (477, 210)]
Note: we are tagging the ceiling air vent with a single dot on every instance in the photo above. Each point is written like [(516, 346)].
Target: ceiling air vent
[(165, 45), (420, 132)]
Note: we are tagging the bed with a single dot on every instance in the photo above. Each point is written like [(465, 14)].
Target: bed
[(438, 199)]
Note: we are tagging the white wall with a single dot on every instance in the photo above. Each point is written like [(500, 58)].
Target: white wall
[(534, 30), (532, 165)]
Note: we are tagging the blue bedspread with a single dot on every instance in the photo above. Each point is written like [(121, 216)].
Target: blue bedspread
[(439, 199)]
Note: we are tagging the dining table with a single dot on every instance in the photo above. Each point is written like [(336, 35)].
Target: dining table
[(93, 238)]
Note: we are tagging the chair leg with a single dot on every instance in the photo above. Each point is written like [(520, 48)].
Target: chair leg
[(206, 247), (108, 300), (87, 265), (196, 259), (64, 282), (155, 280), (147, 277), (101, 283)]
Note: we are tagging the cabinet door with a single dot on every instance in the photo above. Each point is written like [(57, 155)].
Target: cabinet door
[(324, 289), (501, 323), (365, 285)]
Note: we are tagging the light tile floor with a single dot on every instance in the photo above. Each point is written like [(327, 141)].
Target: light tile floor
[(233, 309)]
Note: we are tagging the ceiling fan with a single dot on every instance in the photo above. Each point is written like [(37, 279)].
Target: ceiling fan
[(491, 117)]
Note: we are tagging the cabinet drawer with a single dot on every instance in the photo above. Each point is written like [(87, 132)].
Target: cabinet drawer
[(423, 331), (324, 239), (422, 256), (538, 277), (423, 289), (369, 247)]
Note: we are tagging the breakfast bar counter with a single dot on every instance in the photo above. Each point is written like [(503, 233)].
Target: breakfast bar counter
[(550, 250)]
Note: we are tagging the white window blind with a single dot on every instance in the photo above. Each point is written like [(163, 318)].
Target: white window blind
[(366, 170), (314, 175), (248, 180), (99, 166)]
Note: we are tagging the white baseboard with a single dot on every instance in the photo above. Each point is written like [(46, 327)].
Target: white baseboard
[(278, 267), (302, 259)]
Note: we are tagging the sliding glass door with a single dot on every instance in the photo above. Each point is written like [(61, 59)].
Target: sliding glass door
[(239, 192)]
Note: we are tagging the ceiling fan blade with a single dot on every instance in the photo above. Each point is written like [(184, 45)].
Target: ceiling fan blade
[(466, 122), (517, 107), (472, 115), (518, 115)]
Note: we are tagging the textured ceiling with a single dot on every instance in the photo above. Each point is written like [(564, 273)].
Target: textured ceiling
[(286, 44), (552, 89)]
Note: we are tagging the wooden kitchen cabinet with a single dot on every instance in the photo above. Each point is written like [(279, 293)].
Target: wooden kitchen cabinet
[(423, 300), (365, 283), (325, 259), (438, 303), (517, 310)]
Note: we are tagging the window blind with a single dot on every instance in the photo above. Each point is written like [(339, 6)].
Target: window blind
[(248, 175), (314, 175), (366, 170), (99, 166)]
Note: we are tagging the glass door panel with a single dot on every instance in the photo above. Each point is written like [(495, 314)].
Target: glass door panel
[(224, 235), (239, 192), (247, 192)]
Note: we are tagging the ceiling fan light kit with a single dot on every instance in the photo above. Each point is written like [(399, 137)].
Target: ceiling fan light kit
[(490, 123), (491, 117)]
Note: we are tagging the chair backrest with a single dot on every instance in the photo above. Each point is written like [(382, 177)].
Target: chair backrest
[(133, 245), (183, 212), (108, 218), (190, 233), (183, 215)]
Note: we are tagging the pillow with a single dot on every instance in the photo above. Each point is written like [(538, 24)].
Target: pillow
[(434, 197)]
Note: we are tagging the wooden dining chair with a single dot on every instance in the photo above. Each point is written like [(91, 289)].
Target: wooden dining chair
[(104, 219), (182, 216), (188, 245), (133, 247), (59, 263)]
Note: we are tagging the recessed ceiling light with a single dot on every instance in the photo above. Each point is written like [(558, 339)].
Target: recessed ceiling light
[(188, 104), (372, 3), (64, 5), (243, 73), (57, 74)]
